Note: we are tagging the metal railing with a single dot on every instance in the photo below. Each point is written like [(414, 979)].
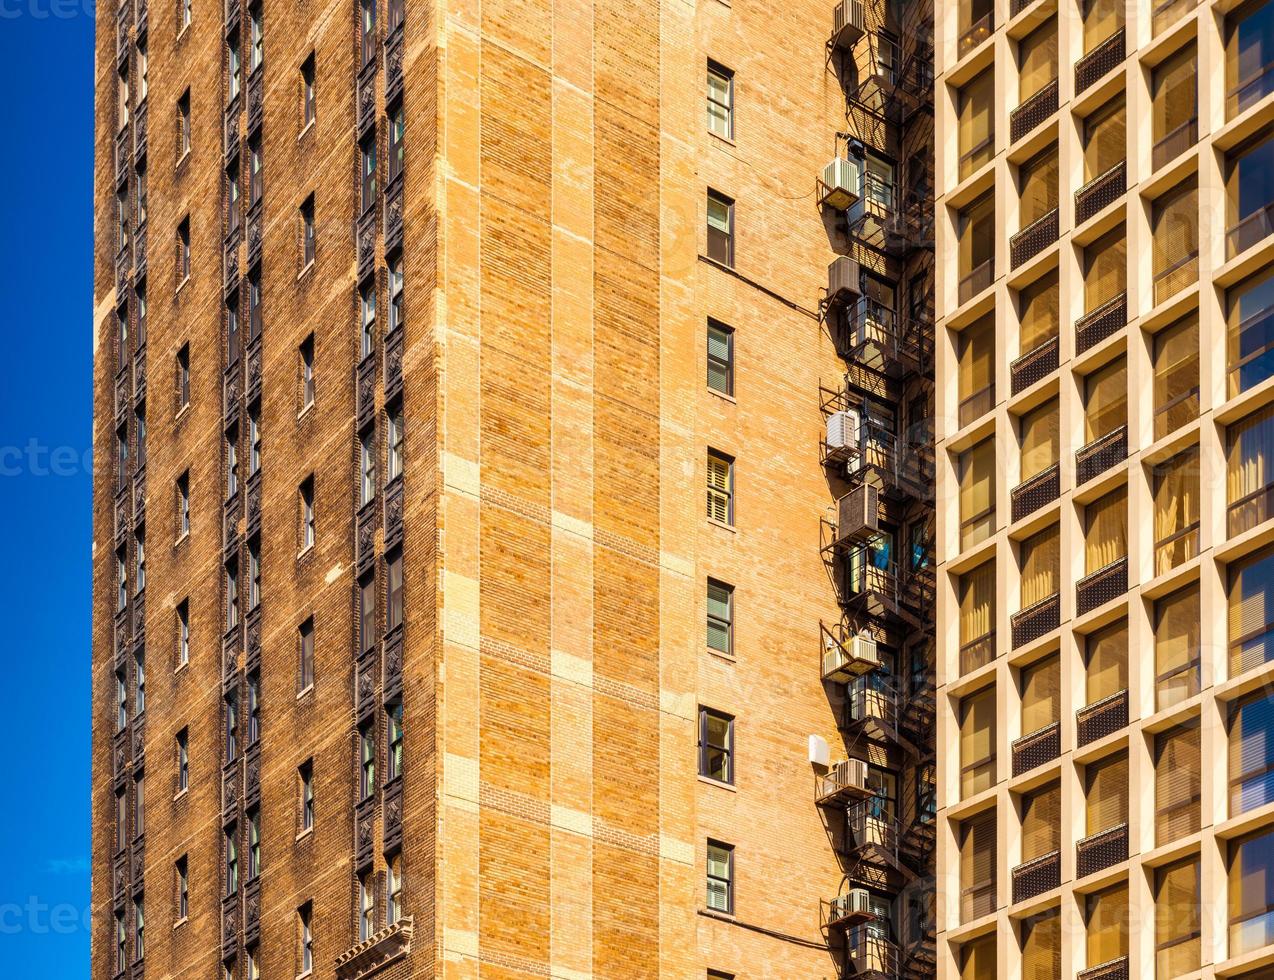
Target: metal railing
[(1033, 111), (1102, 586), (1033, 239), (1250, 230), (1036, 749), (978, 279), (1039, 491), (1036, 620), (1037, 876), (1101, 192), (1098, 62), (1170, 281), (1101, 850), (1098, 324), (1101, 718), (976, 405), (1101, 454), (976, 33), (1175, 143), (1249, 91), (1034, 366)]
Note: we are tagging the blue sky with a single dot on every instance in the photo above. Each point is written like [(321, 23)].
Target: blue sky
[(46, 232)]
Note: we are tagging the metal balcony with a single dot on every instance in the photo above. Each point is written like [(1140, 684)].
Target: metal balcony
[(1175, 143), (1036, 749), (1098, 324), (976, 281), (1101, 587), (976, 33), (1100, 455), (1176, 277), (1116, 969), (1033, 111), (1095, 65), (1039, 491), (877, 337), (1033, 239), (976, 405), (1254, 228), (1033, 366), (1037, 876), (977, 653), (1101, 850), (1036, 620), (1101, 192), (1249, 511)]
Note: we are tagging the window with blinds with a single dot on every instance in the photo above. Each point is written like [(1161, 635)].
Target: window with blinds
[(977, 742), (1249, 192), (977, 493), (977, 235), (977, 867), (1175, 353), (1106, 662), (1106, 924), (1174, 100), (1106, 400), (975, 350), (1041, 566), (1037, 59), (1251, 752), (1101, 19), (1250, 602), (1105, 138), (1175, 484), (977, 617), (977, 959), (1249, 55), (1177, 789), (1174, 226), (1249, 330), (1106, 793), (1250, 890), (1106, 530), (1041, 822), (1105, 269), (1042, 946), (1041, 694), (1176, 624), (976, 122), (1040, 439), (720, 487), (1249, 470), (1037, 179), (1177, 918), (1040, 314)]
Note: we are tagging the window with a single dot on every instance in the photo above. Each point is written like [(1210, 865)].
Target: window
[(720, 358), (1106, 531), (121, 577), (367, 32), (185, 8), (1106, 922), (257, 36), (1106, 793), (254, 967), (720, 101), (121, 942), (141, 196), (139, 806), (1037, 60), (976, 247), (1249, 449), (720, 487), (1177, 788), (395, 293), (975, 355), (121, 818), (254, 708), (1102, 18), (306, 777), (1105, 270), (183, 760), (1175, 353), (396, 13), (977, 959), (139, 928), (232, 861), (1174, 110), (720, 617), (1251, 625), (976, 122), (183, 251), (254, 843), (183, 889), (394, 889), (1105, 400), (232, 462), (183, 632), (307, 513), (1251, 892), (394, 740), (232, 727), (1039, 314), (140, 424), (1174, 224), (976, 594), (254, 574), (1176, 626), (233, 203), (1249, 57), (183, 504), (394, 442), (232, 329), (1041, 822), (367, 764), (716, 745), (977, 493), (1251, 753), (1041, 684), (394, 605), (1106, 662), (366, 907), (139, 679), (367, 307), (1177, 918), (397, 147), (367, 151), (304, 915), (1105, 139), (183, 377), (234, 69), (121, 456), (121, 699), (183, 123), (254, 439), (1042, 945), (977, 742), (309, 104), (1040, 440), (977, 867), (720, 891), (305, 644), (1249, 331), (1175, 484), (720, 228), (367, 612), (139, 546), (307, 231), (254, 305), (123, 219)]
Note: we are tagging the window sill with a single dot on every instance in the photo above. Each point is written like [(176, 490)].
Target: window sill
[(181, 163), (721, 524), (721, 916), (307, 832), (709, 781), (304, 552), (305, 129), (181, 414), (723, 396), (721, 654), (305, 411), (181, 285), (178, 795), (181, 666), (180, 922), (303, 692), (181, 539), (305, 270), (727, 140)]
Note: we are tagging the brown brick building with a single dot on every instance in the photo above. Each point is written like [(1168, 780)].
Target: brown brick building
[(422, 332)]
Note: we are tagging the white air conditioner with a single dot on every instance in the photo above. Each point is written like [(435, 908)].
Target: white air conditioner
[(842, 183), (843, 429), (841, 663), (856, 903), (847, 23), (852, 773), (862, 649)]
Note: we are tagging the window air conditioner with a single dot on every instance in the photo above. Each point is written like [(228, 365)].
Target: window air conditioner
[(858, 514), (842, 183), (842, 430)]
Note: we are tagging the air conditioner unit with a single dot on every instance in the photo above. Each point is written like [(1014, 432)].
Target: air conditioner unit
[(858, 514), (842, 429), (847, 23), (856, 903), (862, 649), (842, 183), (851, 774), (843, 279)]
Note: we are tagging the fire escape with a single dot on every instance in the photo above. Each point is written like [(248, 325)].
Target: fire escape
[(877, 661)]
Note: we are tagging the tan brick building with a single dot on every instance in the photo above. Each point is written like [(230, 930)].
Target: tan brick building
[(423, 332)]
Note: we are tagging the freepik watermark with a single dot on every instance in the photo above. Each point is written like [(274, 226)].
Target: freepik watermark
[(47, 9), (37, 459)]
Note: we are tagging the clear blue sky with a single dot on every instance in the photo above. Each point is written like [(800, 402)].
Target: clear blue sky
[(46, 240)]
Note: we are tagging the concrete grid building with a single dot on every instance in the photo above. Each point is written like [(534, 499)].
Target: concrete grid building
[(1103, 487), (460, 601)]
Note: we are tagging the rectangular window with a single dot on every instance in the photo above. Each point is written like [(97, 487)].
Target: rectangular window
[(1251, 753), (720, 617), (306, 778), (1105, 400), (977, 742), (1178, 918), (1039, 313), (183, 251), (139, 549), (716, 745), (309, 104), (1175, 353), (1175, 485), (139, 929), (183, 889), (720, 101), (1177, 782), (304, 916), (256, 36), (720, 884), (1106, 531), (1106, 662), (254, 708), (1177, 632), (183, 760), (976, 232), (183, 123), (1251, 892), (254, 574), (307, 232), (720, 487), (254, 843), (394, 889), (1041, 822), (1037, 60), (232, 328), (366, 905), (1106, 793), (139, 679), (1174, 225), (1174, 110), (394, 442), (307, 371), (975, 356), (1249, 58), (183, 632), (394, 593), (121, 577), (183, 377), (1041, 684), (232, 727), (395, 293), (394, 741), (254, 306), (367, 152), (977, 959), (975, 110), (1105, 139), (976, 595), (121, 942), (1105, 269), (1249, 479), (977, 867), (1042, 945), (397, 146), (720, 228), (367, 760), (234, 70), (305, 646), (233, 205), (1106, 922), (977, 493), (1040, 440), (139, 807), (367, 311), (142, 196), (306, 493), (121, 818), (183, 504), (367, 30), (1102, 18), (1251, 619), (121, 699), (367, 612), (720, 358)]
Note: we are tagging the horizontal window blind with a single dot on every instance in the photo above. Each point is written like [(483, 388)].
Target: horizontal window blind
[(1105, 138), (1101, 19), (1041, 822), (1107, 665), (1177, 647), (977, 959), (1041, 694), (1107, 924), (1251, 611), (1174, 222), (977, 867), (1038, 178), (1041, 558), (1251, 754), (977, 603), (1040, 439), (1105, 399), (1106, 793), (977, 122), (1249, 324), (1177, 918), (1172, 89), (1176, 365), (1042, 947), (1105, 269), (1177, 788), (1251, 892), (1040, 313), (977, 356), (977, 742), (1176, 498), (977, 492)]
